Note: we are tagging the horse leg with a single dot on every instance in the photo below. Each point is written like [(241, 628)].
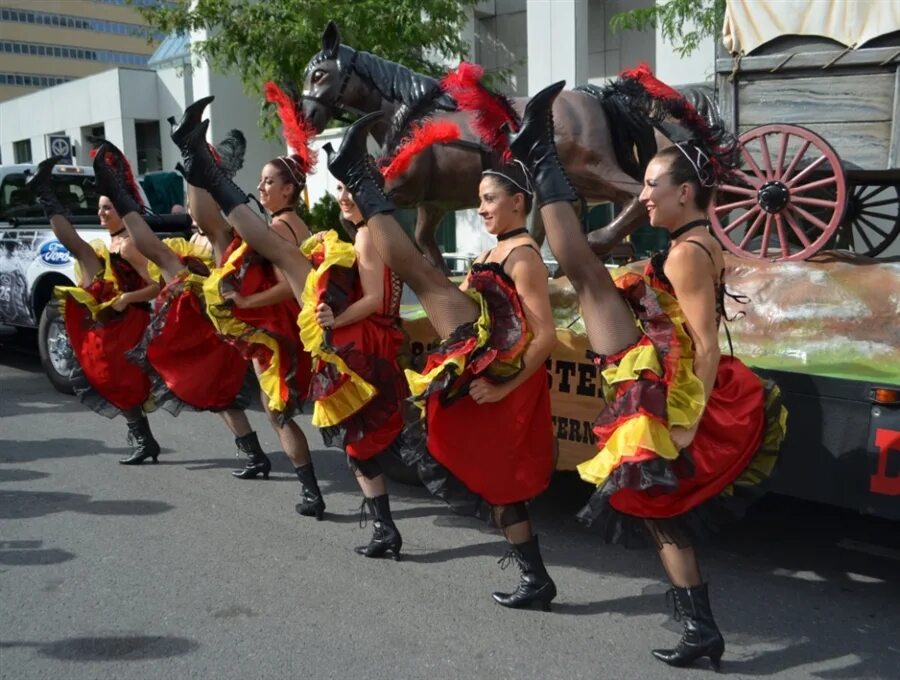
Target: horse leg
[(427, 219), (602, 241)]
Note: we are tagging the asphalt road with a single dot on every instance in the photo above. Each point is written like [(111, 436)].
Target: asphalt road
[(177, 570)]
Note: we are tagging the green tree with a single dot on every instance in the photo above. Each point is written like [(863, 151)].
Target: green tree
[(684, 23), (274, 39)]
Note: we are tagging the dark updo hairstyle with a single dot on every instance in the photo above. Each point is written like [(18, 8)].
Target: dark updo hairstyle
[(287, 168), (514, 179), (689, 164)]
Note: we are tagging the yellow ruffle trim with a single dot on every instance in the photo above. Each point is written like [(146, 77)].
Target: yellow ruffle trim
[(685, 399), (226, 324), (82, 296), (182, 248), (355, 392), (639, 432), (420, 382)]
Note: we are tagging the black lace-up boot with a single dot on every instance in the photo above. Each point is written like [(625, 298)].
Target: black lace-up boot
[(257, 461), (386, 538), (311, 502), (701, 635), (110, 175), (143, 445), (534, 145), (41, 183), (190, 119), (353, 166), (200, 169), (535, 584)]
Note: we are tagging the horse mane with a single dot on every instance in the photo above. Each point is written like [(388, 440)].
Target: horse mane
[(415, 94)]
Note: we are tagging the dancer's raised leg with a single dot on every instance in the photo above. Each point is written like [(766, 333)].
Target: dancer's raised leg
[(609, 323), (447, 307)]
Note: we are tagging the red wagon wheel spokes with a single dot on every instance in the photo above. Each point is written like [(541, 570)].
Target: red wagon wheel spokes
[(800, 192), (872, 220)]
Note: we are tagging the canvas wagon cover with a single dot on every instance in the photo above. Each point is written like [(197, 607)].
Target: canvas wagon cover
[(752, 23)]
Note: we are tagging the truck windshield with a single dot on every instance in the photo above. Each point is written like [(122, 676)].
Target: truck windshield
[(76, 191)]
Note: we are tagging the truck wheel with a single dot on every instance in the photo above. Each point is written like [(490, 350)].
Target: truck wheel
[(56, 353)]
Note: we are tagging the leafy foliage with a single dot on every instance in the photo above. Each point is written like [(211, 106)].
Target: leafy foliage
[(274, 39), (684, 23), (323, 215)]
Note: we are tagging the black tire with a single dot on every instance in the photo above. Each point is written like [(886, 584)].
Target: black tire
[(396, 470), (56, 353)]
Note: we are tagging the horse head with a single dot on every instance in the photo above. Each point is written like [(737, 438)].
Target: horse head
[(340, 81), (326, 80)]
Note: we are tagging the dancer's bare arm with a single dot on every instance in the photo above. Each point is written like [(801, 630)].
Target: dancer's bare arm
[(371, 275), (88, 261), (280, 292), (529, 274), (692, 277), (131, 255)]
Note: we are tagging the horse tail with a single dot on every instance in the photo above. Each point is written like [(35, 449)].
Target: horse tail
[(633, 138), (651, 98)]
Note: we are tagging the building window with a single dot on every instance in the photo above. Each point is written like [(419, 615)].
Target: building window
[(65, 20), (22, 151), (106, 56)]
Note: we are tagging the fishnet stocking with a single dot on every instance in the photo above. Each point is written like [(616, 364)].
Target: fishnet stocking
[(446, 306), (608, 320), (513, 521), (675, 551)]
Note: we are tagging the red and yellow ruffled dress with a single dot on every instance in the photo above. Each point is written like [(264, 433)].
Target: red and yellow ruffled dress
[(489, 454), (649, 388), (188, 362), (357, 385), (267, 334), (104, 379)]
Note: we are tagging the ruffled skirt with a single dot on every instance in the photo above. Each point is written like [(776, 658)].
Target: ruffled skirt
[(651, 387), (268, 335), (470, 455)]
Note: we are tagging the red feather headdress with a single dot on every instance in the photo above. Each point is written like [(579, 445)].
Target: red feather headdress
[(714, 141), (421, 136), (491, 111), (298, 132)]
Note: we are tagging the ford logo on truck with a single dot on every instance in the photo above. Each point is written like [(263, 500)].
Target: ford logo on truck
[(55, 254)]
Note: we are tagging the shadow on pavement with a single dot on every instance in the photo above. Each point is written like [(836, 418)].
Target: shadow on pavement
[(16, 475), (123, 648), (28, 504), (18, 451), (30, 553)]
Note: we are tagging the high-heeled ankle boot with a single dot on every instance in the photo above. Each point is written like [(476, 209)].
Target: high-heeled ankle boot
[(354, 168), (191, 118), (534, 145), (257, 461), (200, 169), (535, 584), (110, 177), (701, 635), (41, 183), (311, 502), (143, 444), (386, 537)]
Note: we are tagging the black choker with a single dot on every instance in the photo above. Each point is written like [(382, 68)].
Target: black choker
[(510, 234), (687, 227), (282, 211), (116, 233), (359, 224)]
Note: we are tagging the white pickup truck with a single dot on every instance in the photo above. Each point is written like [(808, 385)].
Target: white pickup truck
[(33, 261)]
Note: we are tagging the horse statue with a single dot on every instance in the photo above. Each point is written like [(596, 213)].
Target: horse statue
[(604, 146)]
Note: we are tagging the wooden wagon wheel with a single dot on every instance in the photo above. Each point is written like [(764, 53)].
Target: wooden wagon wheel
[(774, 208), (872, 220)]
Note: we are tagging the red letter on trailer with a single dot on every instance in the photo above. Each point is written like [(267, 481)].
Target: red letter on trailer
[(885, 441)]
